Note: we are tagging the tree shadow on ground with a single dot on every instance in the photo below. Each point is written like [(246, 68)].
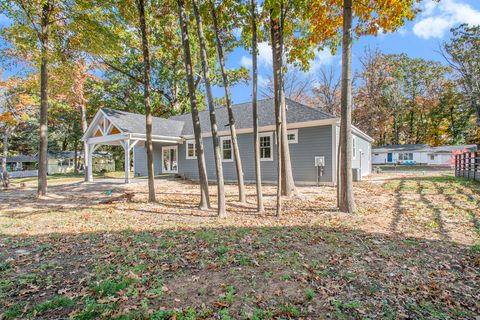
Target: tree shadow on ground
[(275, 272)]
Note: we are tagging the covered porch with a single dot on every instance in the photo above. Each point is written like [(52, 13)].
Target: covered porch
[(108, 128)]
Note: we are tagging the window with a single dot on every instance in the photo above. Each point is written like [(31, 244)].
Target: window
[(191, 150), (227, 154), (354, 147), (405, 156), (432, 157), (266, 146), (292, 136)]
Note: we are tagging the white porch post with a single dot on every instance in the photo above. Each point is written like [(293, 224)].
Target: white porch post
[(127, 160), (89, 162)]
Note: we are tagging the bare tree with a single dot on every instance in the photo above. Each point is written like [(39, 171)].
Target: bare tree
[(326, 93), (297, 86)]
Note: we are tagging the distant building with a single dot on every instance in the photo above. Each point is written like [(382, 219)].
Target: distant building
[(417, 154), (22, 166), (63, 162)]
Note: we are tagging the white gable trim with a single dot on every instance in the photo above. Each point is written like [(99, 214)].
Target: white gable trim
[(101, 125)]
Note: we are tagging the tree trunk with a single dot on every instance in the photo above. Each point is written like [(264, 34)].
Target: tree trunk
[(256, 141), (83, 115), (4, 174), (211, 108), (75, 157), (395, 129), (42, 152), (274, 30), (228, 98), (339, 166), (347, 202), (146, 99), (202, 172), (288, 184)]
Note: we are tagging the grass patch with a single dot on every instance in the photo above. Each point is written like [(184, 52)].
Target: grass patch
[(52, 304), (14, 311)]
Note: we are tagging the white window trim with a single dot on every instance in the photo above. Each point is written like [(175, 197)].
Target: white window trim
[(354, 147), (295, 132), (221, 147), (266, 134), (186, 149)]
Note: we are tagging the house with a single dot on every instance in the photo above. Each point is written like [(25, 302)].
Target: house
[(21, 166), (313, 137), (64, 162), (418, 154)]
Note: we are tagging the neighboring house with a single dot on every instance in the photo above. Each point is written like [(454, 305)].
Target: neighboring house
[(22, 166), (417, 154), (64, 162), (311, 133)]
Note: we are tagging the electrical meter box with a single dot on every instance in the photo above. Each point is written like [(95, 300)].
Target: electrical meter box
[(319, 161)]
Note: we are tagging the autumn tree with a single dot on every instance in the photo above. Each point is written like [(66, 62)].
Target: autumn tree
[(146, 97), (256, 140), (351, 19), (462, 54), (218, 27), (202, 172), (15, 110), (211, 108)]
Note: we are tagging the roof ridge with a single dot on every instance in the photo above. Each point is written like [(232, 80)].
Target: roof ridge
[(138, 114)]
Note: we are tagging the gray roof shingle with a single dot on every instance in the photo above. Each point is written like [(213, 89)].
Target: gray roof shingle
[(296, 112), (22, 158), (135, 123)]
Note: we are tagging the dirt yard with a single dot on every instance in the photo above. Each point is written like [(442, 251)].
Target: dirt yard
[(411, 251)]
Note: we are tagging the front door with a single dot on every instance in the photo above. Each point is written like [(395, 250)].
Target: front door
[(169, 159), (389, 157)]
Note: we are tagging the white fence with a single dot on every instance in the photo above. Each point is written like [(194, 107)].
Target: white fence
[(23, 174)]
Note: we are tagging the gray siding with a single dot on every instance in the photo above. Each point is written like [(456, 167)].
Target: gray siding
[(140, 159), (313, 141), (365, 147), (363, 156)]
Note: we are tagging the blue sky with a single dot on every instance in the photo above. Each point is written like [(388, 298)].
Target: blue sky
[(420, 38)]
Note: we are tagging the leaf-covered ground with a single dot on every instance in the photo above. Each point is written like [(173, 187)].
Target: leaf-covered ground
[(412, 251)]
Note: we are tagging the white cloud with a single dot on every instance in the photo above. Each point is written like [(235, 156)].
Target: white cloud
[(262, 81), (246, 62), (322, 58), (264, 54), (437, 18)]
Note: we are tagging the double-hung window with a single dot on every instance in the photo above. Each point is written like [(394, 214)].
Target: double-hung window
[(191, 150), (266, 143), (227, 149), (405, 156)]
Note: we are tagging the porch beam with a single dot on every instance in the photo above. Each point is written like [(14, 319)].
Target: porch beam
[(126, 147), (90, 149)]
